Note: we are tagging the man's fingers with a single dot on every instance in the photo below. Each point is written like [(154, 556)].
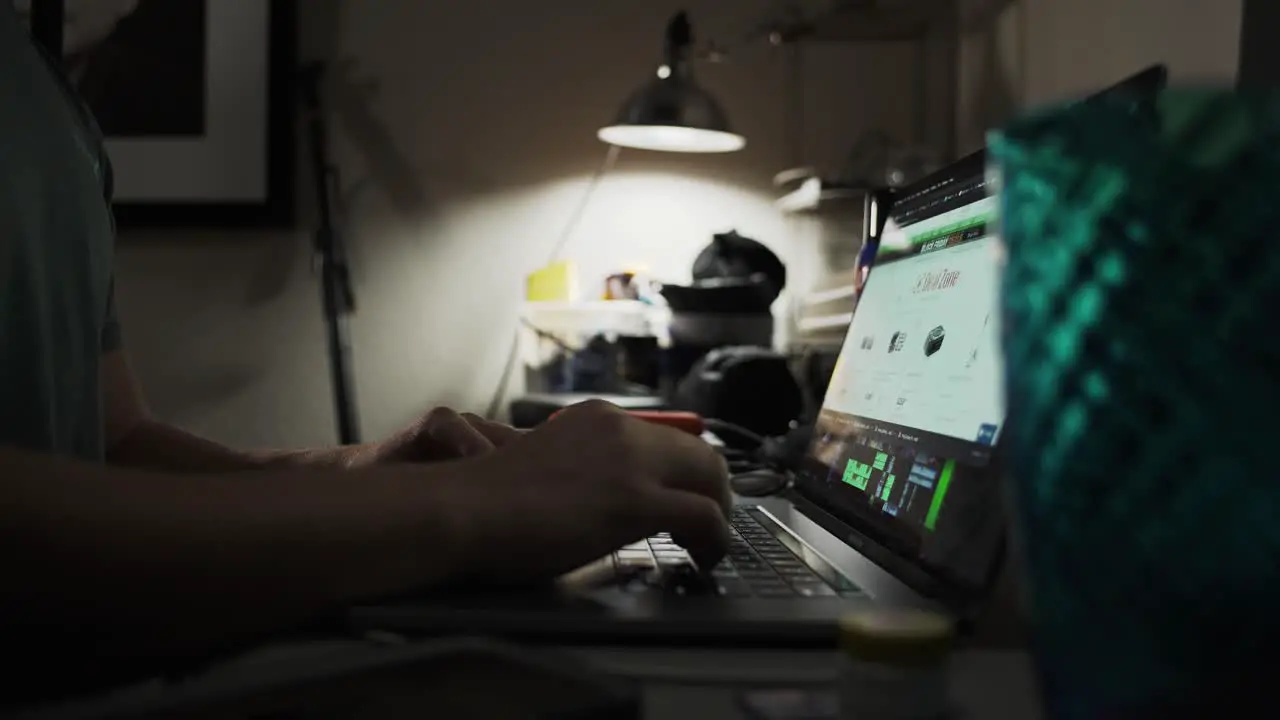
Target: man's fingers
[(447, 433), (697, 523), (690, 464), (495, 432)]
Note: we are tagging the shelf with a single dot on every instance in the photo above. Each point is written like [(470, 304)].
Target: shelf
[(825, 296), (813, 193), (824, 322), (793, 177), (867, 21)]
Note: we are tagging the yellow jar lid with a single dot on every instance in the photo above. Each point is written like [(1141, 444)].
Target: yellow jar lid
[(897, 636)]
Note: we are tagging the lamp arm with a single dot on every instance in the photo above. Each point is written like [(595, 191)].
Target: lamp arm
[(678, 40)]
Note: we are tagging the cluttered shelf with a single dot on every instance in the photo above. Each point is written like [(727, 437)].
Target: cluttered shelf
[(699, 346)]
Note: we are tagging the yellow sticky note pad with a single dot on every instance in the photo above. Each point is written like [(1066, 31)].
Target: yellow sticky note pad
[(555, 282)]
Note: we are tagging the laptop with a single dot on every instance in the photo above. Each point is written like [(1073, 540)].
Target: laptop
[(898, 499)]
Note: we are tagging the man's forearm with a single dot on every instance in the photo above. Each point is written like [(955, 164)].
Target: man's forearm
[(156, 446), (141, 563)]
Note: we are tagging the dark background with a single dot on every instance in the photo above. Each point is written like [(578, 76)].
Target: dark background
[(148, 77), (1259, 51)]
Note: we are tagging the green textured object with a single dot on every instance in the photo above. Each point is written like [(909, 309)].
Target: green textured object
[(1140, 299)]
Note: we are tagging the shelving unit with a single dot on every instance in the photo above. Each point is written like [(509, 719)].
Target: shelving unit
[(814, 193), (823, 315), (839, 321), (933, 26)]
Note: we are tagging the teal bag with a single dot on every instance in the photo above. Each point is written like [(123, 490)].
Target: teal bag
[(1140, 299)]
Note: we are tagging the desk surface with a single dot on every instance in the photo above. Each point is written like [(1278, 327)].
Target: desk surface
[(703, 683), (677, 683)]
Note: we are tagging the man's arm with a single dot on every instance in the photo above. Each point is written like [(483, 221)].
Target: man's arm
[(135, 439), (109, 564)]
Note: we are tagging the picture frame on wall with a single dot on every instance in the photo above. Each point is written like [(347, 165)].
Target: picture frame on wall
[(196, 100)]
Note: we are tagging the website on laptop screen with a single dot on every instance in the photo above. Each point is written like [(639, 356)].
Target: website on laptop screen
[(914, 408)]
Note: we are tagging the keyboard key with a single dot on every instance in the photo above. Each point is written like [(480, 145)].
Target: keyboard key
[(772, 567), (632, 555), (759, 583), (685, 579), (776, 554)]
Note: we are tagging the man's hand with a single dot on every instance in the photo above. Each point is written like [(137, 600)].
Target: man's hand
[(441, 434), (186, 563), (582, 485)]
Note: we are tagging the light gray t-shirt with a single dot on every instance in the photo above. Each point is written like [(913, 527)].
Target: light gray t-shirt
[(57, 315)]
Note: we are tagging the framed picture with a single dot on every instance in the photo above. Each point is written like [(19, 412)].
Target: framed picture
[(196, 99)]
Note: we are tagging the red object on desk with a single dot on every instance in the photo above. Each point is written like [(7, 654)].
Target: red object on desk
[(685, 422)]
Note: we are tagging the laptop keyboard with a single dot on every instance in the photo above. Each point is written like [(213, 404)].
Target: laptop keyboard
[(760, 562)]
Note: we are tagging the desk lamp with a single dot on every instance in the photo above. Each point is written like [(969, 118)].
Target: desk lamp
[(671, 112)]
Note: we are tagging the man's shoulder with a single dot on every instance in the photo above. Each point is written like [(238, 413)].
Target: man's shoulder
[(88, 134), (31, 73)]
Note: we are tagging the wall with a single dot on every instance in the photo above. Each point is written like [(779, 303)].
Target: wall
[(1259, 52), (465, 133), (991, 67), (1030, 52), (1082, 45)]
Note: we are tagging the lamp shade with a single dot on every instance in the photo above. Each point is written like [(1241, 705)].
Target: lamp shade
[(672, 112)]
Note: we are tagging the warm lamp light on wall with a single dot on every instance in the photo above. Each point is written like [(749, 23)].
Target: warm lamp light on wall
[(671, 112)]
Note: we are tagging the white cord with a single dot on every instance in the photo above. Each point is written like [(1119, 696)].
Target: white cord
[(562, 243)]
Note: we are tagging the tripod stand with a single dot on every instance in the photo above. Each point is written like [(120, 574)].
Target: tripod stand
[(331, 257), (47, 27)]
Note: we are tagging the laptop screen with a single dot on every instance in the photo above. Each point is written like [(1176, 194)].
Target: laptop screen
[(902, 448)]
